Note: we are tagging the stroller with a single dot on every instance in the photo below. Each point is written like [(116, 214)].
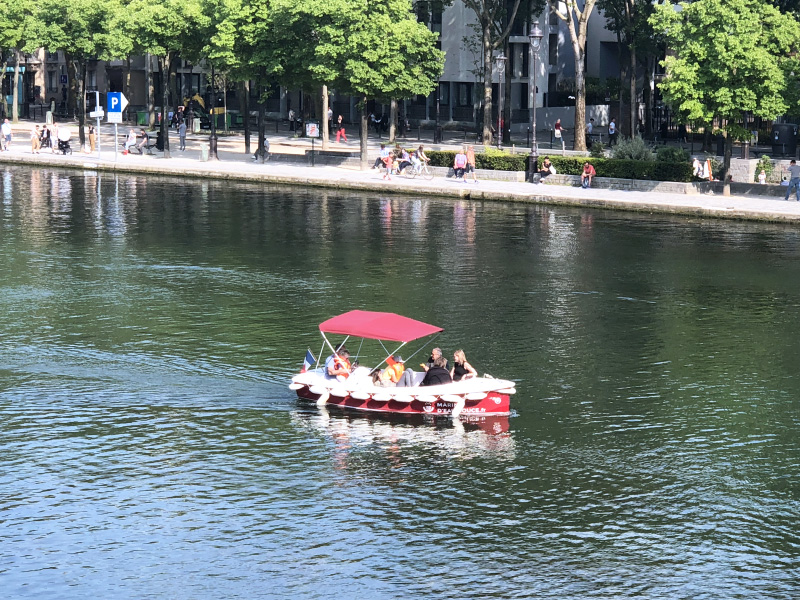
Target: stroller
[(63, 141)]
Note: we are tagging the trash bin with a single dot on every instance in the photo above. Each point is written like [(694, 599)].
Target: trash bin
[(784, 139), (204, 153), (195, 125), (48, 117), (141, 117)]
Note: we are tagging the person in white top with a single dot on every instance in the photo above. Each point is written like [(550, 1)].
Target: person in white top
[(6, 130)]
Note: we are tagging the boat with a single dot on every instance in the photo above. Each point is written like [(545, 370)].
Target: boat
[(482, 395)]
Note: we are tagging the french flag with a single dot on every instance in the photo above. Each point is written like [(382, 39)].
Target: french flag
[(309, 361)]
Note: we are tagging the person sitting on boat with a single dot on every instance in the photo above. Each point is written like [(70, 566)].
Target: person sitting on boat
[(435, 353), (437, 374), (396, 374), (461, 368), (337, 365)]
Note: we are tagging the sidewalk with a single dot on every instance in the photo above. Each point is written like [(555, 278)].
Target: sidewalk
[(236, 165)]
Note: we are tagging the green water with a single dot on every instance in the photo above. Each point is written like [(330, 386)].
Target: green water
[(152, 449)]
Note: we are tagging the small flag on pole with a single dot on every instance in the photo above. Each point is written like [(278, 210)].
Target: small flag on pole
[(309, 361)]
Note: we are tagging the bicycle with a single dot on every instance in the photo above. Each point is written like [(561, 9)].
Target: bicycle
[(422, 170)]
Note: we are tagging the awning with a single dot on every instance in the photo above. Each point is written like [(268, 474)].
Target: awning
[(378, 326)]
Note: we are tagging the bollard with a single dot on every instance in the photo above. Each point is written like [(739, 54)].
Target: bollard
[(204, 153), (419, 133)]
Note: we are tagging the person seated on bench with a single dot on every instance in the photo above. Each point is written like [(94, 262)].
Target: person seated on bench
[(130, 141), (145, 143), (438, 373)]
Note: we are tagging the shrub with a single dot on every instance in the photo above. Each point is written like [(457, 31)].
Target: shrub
[(493, 159), (765, 163), (672, 154), (633, 149), (625, 169), (597, 150)]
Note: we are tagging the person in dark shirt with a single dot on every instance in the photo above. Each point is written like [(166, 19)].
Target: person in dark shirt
[(435, 353), (437, 374)]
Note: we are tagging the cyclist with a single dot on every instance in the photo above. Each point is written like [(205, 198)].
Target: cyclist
[(419, 159)]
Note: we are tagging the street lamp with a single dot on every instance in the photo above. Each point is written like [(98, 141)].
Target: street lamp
[(535, 36), (501, 69)]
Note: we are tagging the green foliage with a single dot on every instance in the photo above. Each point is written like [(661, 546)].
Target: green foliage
[(730, 57), (632, 149), (672, 154), (625, 169), (491, 159), (764, 163), (598, 150)]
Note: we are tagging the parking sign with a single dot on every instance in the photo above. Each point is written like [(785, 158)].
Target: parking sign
[(116, 102)]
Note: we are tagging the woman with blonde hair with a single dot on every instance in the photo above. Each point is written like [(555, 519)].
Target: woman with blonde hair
[(461, 368)]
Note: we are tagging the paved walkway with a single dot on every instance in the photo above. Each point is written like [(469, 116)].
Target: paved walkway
[(235, 164)]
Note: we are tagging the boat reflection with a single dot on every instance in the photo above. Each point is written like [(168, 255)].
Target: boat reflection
[(461, 439)]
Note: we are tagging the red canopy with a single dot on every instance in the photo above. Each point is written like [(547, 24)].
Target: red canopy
[(378, 326)]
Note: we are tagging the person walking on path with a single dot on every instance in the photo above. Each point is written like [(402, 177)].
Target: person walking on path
[(6, 129), (794, 180), (471, 163), (92, 138), (291, 120), (558, 133), (340, 133), (182, 135), (35, 139), (612, 132)]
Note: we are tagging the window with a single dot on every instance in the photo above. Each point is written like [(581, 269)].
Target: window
[(91, 80), (52, 81), (465, 94), (444, 93), (552, 47)]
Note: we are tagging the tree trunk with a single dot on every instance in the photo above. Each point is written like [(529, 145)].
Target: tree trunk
[(487, 84), (15, 93), (244, 107), (127, 82), (164, 66), (72, 76), (262, 129), (363, 133), (80, 98), (325, 123), (634, 103), (580, 102), (151, 93), (173, 84), (726, 162), (392, 121)]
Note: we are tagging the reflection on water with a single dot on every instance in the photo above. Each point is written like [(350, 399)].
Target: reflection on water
[(152, 449)]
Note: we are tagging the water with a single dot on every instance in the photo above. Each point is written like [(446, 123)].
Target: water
[(151, 448)]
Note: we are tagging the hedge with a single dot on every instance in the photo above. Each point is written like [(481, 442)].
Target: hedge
[(573, 165)]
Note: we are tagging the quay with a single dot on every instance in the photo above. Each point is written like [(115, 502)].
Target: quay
[(289, 166)]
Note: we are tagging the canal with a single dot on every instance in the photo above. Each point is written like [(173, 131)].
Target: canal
[(151, 448)]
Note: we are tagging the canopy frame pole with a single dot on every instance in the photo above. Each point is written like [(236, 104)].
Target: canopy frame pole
[(387, 358)]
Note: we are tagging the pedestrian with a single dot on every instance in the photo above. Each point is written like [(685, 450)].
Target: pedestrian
[(558, 133), (92, 138), (291, 120), (6, 130), (471, 163), (612, 132), (330, 121), (182, 135), (794, 180), (762, 177), (340, 132), (589, 129), (35, 140), (697, 168)]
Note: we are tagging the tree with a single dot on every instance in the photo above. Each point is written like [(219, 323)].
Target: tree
[(16, 26), (165, 29), (629, 20), (495, 21), (577, 21), (731, 57), (80, 29)]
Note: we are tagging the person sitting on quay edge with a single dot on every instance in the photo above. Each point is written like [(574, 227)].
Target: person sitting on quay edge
[(142, 146), (547, 168), (404, 159), (586, 176), (130, 141), (438, 373), (382, 157), (461, 368), (337, 365)]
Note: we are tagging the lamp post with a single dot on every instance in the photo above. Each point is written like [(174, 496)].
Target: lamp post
[(212, 139), (535, 36), (501, 92)]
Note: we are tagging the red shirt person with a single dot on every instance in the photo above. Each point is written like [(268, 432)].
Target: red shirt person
[(587, 175)]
